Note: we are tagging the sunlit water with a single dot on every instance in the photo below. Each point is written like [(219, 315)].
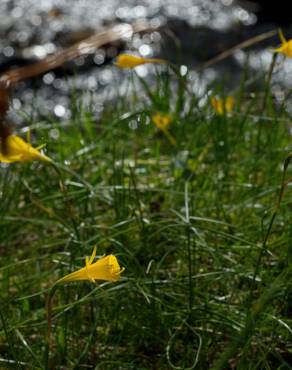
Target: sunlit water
[(32, 29)]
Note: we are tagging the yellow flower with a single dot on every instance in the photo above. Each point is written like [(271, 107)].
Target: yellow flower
[(161, 120), (131, 61), (106, 268), (17, 150), (222, 105), (286, 46)]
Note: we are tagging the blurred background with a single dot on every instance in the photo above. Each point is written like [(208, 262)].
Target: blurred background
[(189, 32)]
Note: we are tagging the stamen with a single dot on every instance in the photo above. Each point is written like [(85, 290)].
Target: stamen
[(92, 256)]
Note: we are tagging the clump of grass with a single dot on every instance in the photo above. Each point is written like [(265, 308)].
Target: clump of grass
[(208, 259)]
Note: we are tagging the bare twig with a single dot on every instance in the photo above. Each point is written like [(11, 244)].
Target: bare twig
[(84, 47), (242, 45)]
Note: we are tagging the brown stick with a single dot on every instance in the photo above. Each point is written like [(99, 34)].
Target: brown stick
[(84, 47), (243, 45)]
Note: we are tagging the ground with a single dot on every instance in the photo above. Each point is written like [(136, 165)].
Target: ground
[(198, 214)]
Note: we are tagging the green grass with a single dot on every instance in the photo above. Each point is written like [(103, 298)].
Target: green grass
[(207, 280)]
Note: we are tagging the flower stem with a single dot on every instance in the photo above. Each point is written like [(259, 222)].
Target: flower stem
[(276, 209), (49, 324), (170, 138), (256, 307), (64, 190)]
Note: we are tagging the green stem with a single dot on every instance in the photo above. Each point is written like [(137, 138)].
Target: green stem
[(255, 309), (276, 209), (265, 99), (252, 319), (189, 247), (190, 267), (170, 138), (8, 338), (268, 81), (64, 190), (49, 324)]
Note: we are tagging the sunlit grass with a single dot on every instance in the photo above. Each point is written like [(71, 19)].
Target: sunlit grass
[(187, 221)]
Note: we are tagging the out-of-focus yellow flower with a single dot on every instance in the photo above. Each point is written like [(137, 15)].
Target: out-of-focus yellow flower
[(106, 268), (222, 105), (162, 121), (17, 150), (286, 46), (132, 61)]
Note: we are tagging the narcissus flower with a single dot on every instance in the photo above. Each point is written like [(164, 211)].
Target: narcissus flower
[(222, 105), (106, 268), (17, 150), (286, 46), (132, 61), (161, 120)]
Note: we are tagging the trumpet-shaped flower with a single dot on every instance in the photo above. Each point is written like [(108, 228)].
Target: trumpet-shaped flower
[(132, 61), (17, 150), (286, 46), (162, 121), (106, 268), (222, 105)]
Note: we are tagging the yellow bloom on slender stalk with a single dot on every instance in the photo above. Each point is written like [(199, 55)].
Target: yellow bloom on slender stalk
[(286, 46), (17, 150), (222, 105), (106, 268), (162, 121), (132, 61)]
